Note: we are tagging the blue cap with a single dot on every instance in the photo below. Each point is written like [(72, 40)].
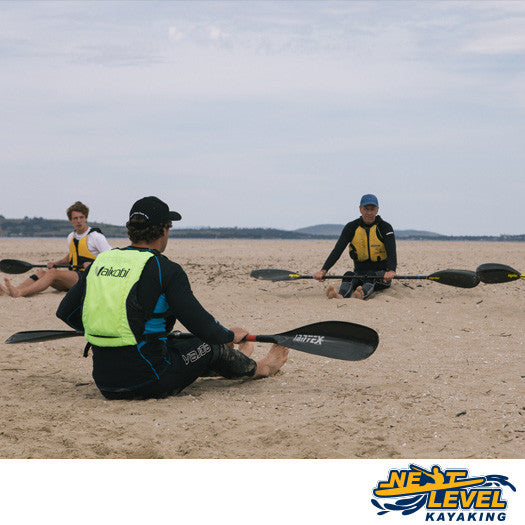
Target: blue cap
[(369, 199)]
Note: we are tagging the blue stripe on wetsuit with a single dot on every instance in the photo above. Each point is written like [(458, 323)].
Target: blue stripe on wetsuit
[(157, 324), (139, 346)]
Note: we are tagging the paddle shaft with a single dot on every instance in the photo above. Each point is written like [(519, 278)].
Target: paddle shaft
[(46, 335), (348, 277), (459, 278), (54, 266), (287, 275), (261, 338)]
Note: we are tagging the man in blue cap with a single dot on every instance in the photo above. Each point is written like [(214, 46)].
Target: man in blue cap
[(372, 246)]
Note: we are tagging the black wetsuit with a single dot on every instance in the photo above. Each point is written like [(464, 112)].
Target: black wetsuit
[(164, 365), (385, 233)]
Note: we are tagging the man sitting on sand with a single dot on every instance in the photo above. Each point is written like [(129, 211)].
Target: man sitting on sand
[(127, 305), (372, 246), (85, 243)]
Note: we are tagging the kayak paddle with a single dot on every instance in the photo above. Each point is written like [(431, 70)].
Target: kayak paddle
[(492, 273), (15, 266), (459, 278), (334, 339), (36, 336)]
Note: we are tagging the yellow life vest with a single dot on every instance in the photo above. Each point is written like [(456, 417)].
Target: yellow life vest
[(366, 245), (79, 253)]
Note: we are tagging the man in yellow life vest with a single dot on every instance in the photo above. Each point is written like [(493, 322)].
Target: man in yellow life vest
[(85, 243), (127, 303), (372, 246)]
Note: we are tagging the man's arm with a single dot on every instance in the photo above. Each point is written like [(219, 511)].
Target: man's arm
[(192, 314), (341, 244), (390, 246), (64, 260), (70, 308)]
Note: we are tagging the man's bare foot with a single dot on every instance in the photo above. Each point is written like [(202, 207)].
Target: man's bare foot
[(274, 360), (11, 290), (246, 348), (358, 294), (332, 294)]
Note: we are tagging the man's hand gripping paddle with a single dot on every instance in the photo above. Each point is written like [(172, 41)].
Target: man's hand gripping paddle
[(333, 339)]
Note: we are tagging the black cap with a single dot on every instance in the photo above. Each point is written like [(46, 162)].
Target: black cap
[(154, 211)]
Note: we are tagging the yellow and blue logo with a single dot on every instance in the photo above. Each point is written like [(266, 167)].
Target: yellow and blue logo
[(447, 495)]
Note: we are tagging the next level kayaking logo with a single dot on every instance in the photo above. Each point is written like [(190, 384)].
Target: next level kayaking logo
[(447, 495)]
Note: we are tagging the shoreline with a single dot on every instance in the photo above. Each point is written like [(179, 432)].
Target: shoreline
[(173, 236)]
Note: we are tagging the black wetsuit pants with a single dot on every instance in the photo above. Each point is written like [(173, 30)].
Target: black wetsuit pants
[(190, 358), (349, 285)]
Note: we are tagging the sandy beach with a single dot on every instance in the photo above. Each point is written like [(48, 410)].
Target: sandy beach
[(445, 382)]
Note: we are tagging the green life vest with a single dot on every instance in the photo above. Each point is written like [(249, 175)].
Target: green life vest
[(110, 279)]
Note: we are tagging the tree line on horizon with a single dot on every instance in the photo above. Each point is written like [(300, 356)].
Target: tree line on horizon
[(40, 227)]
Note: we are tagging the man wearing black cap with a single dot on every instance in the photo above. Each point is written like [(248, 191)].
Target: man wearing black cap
[(127, 306), (372, 246)]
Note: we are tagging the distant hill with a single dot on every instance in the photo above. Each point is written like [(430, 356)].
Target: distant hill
[(330, 230), (334, 230), (39, 227), (243, 233), (420, 234)]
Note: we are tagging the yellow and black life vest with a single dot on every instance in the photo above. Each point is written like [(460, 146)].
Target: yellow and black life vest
[(78, 251), (367, 245)]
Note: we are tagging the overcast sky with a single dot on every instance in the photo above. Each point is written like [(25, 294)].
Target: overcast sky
[(271, 114)]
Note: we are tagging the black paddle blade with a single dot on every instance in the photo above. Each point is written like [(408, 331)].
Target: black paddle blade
[(492, 273), (35, 336), (334, 339), (273, 274), (459, 278), (14, 266)]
